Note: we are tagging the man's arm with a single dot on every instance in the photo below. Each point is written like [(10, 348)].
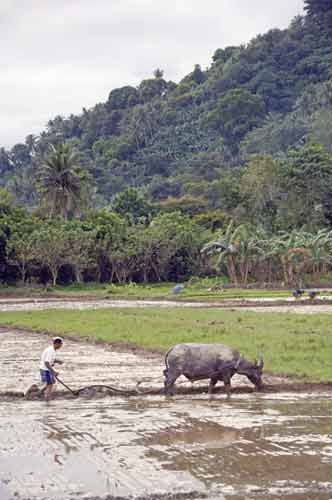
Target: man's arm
[(49, 367)]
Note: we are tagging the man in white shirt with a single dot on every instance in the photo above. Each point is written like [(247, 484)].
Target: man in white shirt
[(48, 360)]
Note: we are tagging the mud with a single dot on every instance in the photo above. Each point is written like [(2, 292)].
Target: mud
[(287, 305), (257, 445), (317, 308)]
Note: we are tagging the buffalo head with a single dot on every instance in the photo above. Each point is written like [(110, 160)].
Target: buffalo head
[(251, 370)]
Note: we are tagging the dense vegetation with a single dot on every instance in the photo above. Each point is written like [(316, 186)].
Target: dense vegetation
[(132, 240), (230, 169)]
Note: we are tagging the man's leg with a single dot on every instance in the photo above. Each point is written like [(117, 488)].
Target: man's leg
[(44, 381), (42, 390), (50, 384), (48, 391)]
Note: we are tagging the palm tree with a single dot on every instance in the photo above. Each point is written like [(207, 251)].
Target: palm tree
[(62, 182)]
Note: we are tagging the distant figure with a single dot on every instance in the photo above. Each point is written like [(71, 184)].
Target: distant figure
[(48, 360), (312, 294), (297, 294), (177, 289)]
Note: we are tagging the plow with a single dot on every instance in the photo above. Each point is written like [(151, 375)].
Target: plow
[(105, 390), (34, 392)]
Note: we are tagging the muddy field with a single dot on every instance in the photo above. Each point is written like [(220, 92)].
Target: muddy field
[(268, 445), (321, 305)]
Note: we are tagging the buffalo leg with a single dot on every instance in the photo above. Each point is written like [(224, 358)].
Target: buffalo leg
[(213, 382), (227, 384), (170, 379)]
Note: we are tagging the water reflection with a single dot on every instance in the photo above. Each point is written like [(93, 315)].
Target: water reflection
[(250, 447)]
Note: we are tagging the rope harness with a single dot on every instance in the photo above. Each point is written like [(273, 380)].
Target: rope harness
[(125, 392)]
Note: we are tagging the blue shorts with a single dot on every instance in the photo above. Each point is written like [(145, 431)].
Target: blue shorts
[(47, 377)]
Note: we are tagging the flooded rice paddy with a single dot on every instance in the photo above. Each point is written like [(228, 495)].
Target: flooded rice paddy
[(255, 446), (285, 305)]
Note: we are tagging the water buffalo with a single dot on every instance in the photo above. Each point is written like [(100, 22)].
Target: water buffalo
[(208, 361)]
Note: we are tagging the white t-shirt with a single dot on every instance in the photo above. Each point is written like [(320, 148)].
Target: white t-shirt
[(48, 355)]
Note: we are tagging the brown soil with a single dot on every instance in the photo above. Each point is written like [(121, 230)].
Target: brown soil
[(273, 444)]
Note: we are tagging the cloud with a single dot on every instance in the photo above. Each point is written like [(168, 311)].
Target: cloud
[(65, 54)]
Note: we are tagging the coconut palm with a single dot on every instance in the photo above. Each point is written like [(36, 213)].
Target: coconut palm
[(62, 182)]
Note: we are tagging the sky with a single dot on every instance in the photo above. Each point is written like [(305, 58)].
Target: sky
[(59, 56)]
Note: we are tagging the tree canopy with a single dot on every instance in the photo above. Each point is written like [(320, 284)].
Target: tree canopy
[(319, 10)]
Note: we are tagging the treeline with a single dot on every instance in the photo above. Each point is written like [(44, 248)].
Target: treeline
[(171, 247), (276, 227), (103, 246), (248, 254)]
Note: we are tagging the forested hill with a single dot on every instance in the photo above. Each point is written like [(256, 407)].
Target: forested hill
[(183, 141)]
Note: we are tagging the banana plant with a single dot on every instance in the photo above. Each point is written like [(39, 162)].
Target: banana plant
[(237, 249)]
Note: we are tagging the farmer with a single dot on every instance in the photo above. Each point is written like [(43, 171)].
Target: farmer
[(48, 360)]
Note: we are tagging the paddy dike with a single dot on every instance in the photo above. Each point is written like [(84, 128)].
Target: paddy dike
[(257, 445)]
